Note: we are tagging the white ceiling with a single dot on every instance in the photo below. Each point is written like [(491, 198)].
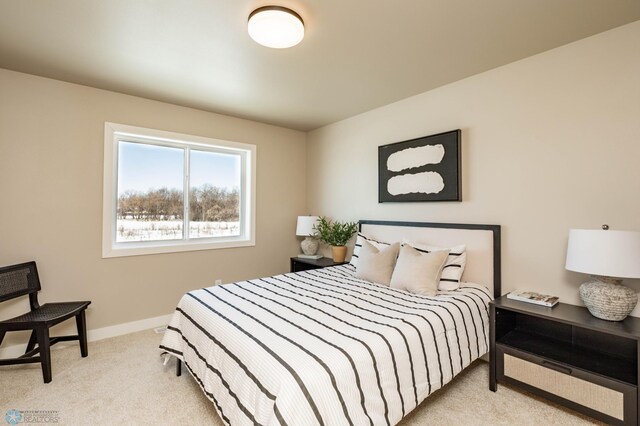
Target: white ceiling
[(356, 55)]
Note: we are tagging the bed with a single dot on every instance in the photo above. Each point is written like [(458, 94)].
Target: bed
[(323, 347)]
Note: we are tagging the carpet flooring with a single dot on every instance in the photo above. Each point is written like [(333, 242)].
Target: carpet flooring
[(123, 381)]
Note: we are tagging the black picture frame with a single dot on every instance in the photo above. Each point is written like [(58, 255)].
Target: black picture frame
[(408, 184)]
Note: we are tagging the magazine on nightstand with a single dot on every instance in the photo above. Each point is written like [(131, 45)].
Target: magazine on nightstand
[(533, 297)]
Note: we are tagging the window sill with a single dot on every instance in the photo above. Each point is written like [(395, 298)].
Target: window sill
[(141, 249)]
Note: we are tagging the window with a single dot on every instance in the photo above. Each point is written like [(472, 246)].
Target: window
[(167, 192)]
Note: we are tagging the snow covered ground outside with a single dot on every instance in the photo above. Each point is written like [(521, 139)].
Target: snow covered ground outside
[(154, 230)]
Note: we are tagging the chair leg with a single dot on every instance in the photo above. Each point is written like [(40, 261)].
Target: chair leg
[(45, 354), (178, 367), (32, 342), (81, 323)]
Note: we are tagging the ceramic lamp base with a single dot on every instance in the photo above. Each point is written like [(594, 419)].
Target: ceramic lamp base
[(309, 246), (607, 299)]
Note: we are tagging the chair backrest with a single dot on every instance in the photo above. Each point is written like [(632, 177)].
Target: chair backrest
[(18, 280)]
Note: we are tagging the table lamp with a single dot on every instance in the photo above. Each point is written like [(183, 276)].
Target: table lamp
[(608, 256), (305, 229)]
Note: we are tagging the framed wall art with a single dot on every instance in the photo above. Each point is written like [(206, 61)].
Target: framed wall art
[(422, 169)]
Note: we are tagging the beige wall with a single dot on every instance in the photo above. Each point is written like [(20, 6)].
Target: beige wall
[(550, 143), (51, 164)]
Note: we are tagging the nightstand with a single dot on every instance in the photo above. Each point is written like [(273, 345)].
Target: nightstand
[(300, 264), (567, 356)]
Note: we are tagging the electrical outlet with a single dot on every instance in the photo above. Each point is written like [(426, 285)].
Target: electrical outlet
[(217, 282)]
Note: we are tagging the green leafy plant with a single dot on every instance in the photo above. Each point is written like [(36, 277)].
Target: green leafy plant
[(334, 233)]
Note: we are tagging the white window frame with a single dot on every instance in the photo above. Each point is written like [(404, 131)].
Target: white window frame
[(114, 133)]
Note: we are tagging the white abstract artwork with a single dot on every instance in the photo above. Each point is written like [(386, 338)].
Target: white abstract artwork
[(415, 157), (425, 183), (423, 169)]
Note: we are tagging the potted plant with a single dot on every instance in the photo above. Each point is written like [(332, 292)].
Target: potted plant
[(336, 234)]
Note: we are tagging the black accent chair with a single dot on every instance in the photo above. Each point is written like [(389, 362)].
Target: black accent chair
[(20, 280)]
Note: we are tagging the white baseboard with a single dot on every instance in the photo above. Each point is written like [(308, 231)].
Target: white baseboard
[(128, 327), (98, 334)]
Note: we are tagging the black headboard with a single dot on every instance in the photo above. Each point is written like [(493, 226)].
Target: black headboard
[(495, 229)]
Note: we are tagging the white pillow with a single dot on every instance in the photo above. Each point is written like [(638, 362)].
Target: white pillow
[(377, 265), (356, 250), (453, 267), (418, 272)]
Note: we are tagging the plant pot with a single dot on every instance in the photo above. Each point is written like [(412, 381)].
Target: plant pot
[(339, 253)]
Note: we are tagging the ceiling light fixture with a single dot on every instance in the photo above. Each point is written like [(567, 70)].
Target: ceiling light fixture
[(276, 27)]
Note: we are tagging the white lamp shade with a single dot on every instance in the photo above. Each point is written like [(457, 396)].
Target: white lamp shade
[(604, 253), (305, 225), (276, 27)]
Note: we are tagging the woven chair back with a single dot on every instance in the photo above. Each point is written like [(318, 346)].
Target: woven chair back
[(18, 280)]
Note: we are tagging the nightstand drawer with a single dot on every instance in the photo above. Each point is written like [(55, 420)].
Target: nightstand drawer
[(572, 386)]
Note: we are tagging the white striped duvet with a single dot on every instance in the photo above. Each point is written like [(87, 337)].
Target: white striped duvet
[(322, 347)]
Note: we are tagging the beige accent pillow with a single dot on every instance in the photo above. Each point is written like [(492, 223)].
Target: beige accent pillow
[(418, 272), (375, 264), (454, 266)]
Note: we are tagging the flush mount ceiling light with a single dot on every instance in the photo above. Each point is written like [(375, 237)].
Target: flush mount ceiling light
[(276, 27)]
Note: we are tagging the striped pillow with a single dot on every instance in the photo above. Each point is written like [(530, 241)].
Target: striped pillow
[(453, 267), (356, 250)]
